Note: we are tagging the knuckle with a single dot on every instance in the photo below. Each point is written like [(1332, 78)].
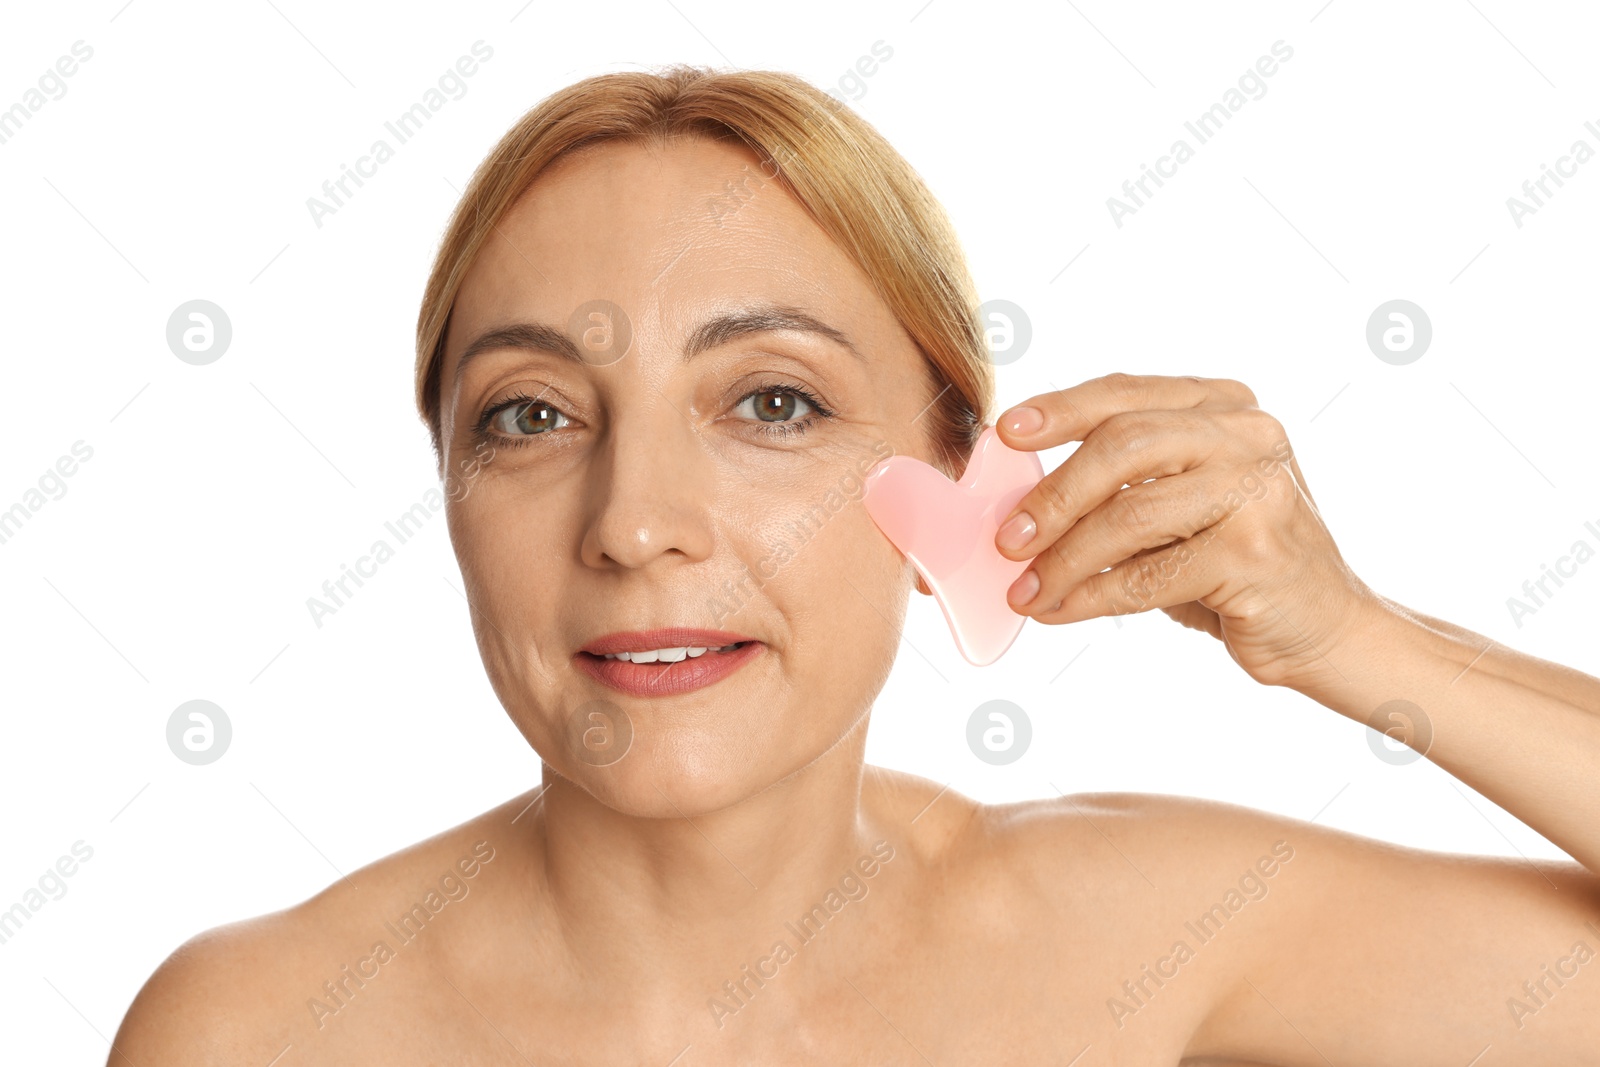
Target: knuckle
[(1052, 565), (1123, 386), (1050, 503), (1125, 434), (1255, 543), (1266, 426), (1256, 432), (1053, 496), (1139, 580), (1137, 510), (1238, 390)]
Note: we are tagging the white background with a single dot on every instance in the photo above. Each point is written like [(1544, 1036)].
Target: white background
[(177, 565)]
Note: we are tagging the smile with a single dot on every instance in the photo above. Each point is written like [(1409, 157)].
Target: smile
[(667, 655), (665, 662)]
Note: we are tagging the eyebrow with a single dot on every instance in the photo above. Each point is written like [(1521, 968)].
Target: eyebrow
[(715, 331)]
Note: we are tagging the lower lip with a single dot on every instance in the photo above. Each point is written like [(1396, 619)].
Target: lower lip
[(666, 679)]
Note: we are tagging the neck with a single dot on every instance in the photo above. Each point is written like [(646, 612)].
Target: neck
[(696, 895)]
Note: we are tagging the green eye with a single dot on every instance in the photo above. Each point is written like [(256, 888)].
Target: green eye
[(781, 410), (524, 417)]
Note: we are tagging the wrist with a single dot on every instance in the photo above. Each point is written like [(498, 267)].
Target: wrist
[(1362, 661)]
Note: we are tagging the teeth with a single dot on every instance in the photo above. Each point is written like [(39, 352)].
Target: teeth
[(665, 655)]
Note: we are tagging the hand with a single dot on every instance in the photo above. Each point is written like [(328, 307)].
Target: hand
[(1191, 495)]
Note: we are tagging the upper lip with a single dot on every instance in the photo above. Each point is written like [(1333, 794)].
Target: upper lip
[(668, 637)]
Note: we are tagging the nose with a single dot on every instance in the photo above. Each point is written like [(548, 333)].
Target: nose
[(652, 490)]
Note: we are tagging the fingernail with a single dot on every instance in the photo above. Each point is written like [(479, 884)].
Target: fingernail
[(1018, 532), (1024, 589), (1023, 421)]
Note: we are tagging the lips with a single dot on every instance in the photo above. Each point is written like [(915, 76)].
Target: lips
[(671, 637), (665, 679)]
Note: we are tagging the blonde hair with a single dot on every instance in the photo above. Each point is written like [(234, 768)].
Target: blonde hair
[(861, 192)]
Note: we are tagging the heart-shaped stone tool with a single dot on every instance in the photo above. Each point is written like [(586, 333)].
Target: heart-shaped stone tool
[(946, 529)]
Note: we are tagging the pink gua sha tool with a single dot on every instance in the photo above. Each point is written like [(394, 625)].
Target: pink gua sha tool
[(947, 529)]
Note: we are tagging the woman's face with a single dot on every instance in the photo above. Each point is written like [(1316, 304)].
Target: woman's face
[(649, 459)]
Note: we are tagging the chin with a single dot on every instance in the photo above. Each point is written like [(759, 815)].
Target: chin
[(679, 783), (653, 768)]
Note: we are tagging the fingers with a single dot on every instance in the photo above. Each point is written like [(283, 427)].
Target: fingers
[(1140, 518), (1132, 527), (1165, 463), (1191, 506), (1069, 414), (1125, 449), (1179, 573)]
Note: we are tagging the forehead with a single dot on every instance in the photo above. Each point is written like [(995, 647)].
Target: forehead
[(666, 232)]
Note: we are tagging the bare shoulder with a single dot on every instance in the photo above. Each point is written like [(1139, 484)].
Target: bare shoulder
[(1149, 858), (1151, 883), (1101, 851), (1104, 876), (1141, 849), (210, 1001), (246, 991), (1058, 833), (1143, 834), (1192, 842)]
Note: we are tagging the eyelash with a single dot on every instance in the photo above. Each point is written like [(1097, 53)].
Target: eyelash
[(788, 429), (480, 430)]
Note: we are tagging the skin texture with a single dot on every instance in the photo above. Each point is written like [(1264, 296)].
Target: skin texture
[(606, 909)]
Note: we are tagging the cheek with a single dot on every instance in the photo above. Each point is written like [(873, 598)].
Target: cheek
[(858, 624), (516, 556), (510, 545), (812, 556)]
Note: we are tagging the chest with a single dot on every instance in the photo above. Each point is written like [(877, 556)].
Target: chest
[(977, 989)]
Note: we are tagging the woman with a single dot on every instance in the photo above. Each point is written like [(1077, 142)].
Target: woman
[(673, 314)]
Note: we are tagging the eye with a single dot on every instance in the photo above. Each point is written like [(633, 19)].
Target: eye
[(522, 416), (774, 405), (783, 409)]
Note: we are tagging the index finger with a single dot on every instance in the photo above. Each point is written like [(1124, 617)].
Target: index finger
[(1069, 414)]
